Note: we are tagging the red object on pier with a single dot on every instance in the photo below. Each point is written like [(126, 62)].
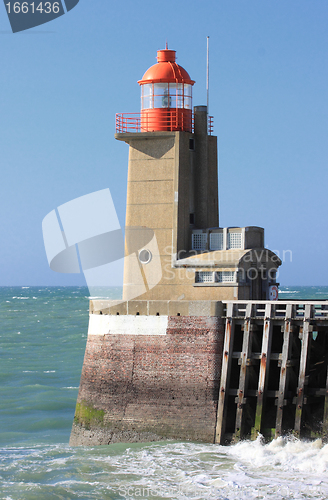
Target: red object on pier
[(166, 96)]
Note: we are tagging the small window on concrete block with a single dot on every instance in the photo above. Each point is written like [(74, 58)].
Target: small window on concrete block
[(204, 277), (199, 241), (216, 241), (234, 240), (225, 276), (192, 144)]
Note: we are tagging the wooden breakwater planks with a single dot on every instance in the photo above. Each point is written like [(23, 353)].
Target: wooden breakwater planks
[(274, 377)]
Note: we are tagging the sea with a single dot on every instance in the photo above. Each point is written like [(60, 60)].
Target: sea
[(43, 333)]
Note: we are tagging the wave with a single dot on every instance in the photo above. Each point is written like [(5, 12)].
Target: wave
[(283, 469)]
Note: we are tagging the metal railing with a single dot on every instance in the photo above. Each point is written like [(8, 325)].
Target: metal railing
[(136, 122), (127, 122), (318, 309)]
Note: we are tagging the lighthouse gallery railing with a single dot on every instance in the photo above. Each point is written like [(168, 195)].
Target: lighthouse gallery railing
[(131, 123)]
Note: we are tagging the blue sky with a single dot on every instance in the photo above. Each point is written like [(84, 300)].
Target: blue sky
[(63, 82)]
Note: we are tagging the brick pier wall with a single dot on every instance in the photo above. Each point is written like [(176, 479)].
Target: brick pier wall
[(144, 387)]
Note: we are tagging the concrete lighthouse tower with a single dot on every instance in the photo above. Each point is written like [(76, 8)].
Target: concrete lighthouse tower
[(152, 365)]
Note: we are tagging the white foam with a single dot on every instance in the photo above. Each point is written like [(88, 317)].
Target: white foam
[(245, 471), (286, 453)]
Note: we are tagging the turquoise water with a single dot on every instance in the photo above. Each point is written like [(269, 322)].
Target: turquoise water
[(42, 341), (303, 292)]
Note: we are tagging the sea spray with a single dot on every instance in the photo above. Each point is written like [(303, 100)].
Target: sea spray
[(283, 469)]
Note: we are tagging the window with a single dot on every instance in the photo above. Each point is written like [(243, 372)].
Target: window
[(199, 241), (147, 96), (176, 91), (216, 241), (187, 96), (234, 240), (162, 98), (225, 276), (204, 277), (166, 95), (215, 277)]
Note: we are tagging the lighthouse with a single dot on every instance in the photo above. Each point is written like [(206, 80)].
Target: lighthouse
[(198, 349), (172, 202), (152, 366)]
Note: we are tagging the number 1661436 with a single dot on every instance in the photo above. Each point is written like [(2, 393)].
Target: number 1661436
[(33, 7)]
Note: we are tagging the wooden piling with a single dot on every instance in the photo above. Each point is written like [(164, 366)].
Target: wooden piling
[(243, 376), (325, 413), (302, 372), (225, 375), (308, 388), (264, 370), (283, 382)]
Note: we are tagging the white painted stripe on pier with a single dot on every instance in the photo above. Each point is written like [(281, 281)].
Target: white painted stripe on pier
[(103, 324)]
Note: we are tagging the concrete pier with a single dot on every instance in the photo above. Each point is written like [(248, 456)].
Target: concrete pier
[(204, 371), (274, 370)]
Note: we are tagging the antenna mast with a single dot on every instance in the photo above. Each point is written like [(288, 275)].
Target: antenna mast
[(207, 76)]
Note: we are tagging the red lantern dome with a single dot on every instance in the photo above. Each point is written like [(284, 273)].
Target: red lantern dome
[(166, 95)]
